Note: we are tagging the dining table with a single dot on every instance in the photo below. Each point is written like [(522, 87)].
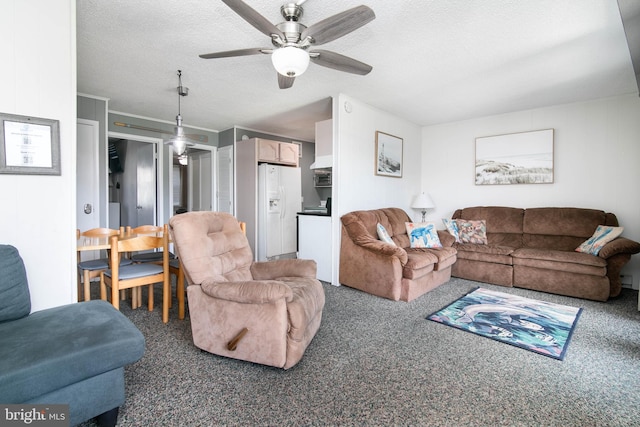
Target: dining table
[(85, 244)]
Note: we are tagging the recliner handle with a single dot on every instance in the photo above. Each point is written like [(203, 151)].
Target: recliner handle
[(233, 344)]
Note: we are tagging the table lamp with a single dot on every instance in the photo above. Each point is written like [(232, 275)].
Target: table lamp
[(423, 202)]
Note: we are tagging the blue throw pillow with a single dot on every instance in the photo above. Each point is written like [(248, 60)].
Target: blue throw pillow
[(423, 235), (15, 301)]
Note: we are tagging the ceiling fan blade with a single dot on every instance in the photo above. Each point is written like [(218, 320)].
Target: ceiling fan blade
[(254, 18), (339, 62), (194, 136), (285, 82), (231, 53), (339, 25)]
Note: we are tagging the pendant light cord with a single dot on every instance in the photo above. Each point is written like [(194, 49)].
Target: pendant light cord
[(179, 89)]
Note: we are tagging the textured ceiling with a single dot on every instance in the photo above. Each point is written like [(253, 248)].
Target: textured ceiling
[(433, 61)]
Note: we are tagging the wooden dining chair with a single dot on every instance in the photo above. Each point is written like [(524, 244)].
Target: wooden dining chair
[(91, 269), (153, 257), (136, 275), (148, 256)]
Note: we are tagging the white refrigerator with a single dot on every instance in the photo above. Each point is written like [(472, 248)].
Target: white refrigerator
[(279, 200)]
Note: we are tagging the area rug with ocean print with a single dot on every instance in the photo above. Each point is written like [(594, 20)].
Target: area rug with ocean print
[(542, 327)]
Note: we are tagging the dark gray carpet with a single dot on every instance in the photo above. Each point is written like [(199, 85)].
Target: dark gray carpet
[(379, 362)]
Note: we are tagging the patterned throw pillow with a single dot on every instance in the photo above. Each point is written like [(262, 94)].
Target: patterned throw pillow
[(384, 235), (423, 235), (600, 237), (472, 231), (452, 228)]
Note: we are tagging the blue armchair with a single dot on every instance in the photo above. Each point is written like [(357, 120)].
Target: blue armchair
[(73, 354)]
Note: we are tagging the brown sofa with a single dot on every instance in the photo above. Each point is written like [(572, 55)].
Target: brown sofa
[(394, 272), (535, 249)]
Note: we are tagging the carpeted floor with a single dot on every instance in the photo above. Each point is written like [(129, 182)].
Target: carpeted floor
[(377, 362)]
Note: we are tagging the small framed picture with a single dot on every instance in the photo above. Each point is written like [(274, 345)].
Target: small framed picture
[(388, 155), (29, 145)]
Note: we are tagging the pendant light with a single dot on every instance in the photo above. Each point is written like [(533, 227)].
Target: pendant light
[(179, 141)]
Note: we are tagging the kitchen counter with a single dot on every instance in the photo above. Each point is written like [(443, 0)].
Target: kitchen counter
[(314, 242), (315, 213)]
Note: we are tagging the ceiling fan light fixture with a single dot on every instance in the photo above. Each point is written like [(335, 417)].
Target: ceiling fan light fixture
[(290, 61)]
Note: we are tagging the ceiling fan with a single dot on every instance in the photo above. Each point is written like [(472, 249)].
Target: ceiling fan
[(179, 140), (295, 43)]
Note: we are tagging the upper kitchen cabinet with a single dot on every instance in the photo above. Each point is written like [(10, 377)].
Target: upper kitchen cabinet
[(283, 153), (324, 145)]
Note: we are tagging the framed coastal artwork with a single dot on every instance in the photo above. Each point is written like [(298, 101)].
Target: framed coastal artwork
[(388, 155), (517, 158)]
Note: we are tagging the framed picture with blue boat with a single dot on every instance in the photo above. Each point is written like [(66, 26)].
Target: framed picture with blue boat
[(517, 158)]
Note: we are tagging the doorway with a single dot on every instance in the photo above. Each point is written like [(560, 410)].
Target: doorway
[(87, 178), (135, 195), (193, 180)]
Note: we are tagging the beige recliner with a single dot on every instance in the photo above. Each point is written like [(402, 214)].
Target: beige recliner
[(262, 312)]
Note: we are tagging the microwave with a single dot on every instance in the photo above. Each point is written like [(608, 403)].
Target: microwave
[(322, 178)]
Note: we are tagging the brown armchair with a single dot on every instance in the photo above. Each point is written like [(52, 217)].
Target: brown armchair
[(262, 312)]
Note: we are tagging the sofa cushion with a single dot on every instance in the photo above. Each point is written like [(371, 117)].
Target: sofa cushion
[(446, 257), (383, 235), (568, 261), (420, 261), (504, 224), (423, 235), (363, 224), (600, 237), (472, 231), (56, 347), (562, 229), (15, 300), (485, 253)]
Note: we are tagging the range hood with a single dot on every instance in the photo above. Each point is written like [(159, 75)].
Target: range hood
[(322, 162)]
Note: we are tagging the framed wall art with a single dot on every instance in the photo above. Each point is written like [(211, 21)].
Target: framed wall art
[(517, 158), (388, 155), (29, 145)]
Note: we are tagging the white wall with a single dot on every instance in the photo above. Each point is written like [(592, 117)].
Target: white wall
[(596, 162), (38, 75), (354, 164)]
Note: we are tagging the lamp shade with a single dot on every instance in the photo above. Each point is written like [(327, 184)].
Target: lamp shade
[(423, 201), (290, 61)]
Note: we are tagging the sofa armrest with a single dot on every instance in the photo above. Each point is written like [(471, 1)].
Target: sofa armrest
[(272, 270), (621, 245), (383, 248), (248, 292), (360, 237), (446, 239)]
